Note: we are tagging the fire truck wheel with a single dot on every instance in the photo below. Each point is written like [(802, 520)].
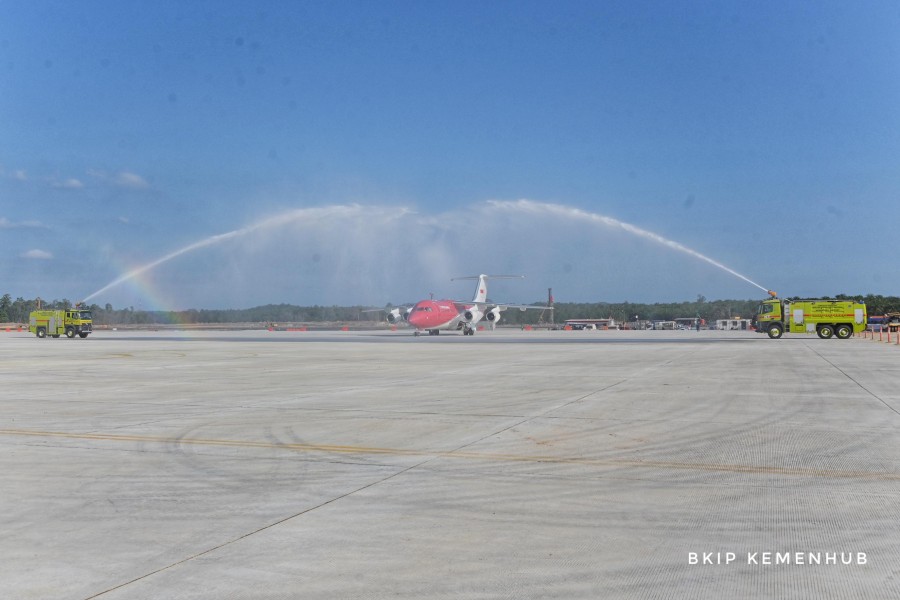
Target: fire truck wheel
[(825, 332), (843, 331), (775, 331), (70, 333), (41, 332), (82, 335)]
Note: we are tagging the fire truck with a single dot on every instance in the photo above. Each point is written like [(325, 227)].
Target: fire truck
[(826, 318), (69, 322)]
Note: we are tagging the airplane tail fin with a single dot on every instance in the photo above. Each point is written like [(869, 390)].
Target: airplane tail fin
[(481, 289)]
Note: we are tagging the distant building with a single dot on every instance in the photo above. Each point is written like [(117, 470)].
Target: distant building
[(686, 322), (591, 323)]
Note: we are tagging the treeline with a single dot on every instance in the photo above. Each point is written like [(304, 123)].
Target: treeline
[(17, 311), (271, 313), (710, 310), (625, 312)]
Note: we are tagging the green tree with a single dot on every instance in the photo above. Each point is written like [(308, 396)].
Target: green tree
[(5, 308)]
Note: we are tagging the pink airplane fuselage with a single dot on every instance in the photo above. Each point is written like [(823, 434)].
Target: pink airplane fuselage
[(435, 314)]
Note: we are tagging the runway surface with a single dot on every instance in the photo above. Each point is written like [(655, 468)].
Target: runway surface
[(509, 464)]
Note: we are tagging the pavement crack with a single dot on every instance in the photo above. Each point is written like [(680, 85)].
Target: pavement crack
[(851, 378), (258, 530)]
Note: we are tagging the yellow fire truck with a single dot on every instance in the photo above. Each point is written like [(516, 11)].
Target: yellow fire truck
[(827, 318), (69, 322)]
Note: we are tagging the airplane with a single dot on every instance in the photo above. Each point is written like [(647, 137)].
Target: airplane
[(434, 316)]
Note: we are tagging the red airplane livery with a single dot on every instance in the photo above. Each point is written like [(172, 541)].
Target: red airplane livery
[(434, 315)]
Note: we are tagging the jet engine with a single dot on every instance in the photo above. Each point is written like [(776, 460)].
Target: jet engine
[(473, 315), (493, 315), (396, 315)]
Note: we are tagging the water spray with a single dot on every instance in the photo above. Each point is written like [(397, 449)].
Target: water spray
[(529, 206), (344, 211)]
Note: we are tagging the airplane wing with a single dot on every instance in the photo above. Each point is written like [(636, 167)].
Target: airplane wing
[(397, 314), (500, 305), (522, 306), (472, 312)]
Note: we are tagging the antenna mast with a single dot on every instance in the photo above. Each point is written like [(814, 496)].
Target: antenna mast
[(549, 306)]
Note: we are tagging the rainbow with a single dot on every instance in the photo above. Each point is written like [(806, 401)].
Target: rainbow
[(316, 214), (145, 288)]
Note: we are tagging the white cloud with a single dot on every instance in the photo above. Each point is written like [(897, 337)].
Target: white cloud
[(124, 179), (18, 174), (69, 184), (37, 254), (130, 180), (7, 224)]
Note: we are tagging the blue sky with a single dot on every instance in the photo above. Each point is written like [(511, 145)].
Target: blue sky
[(765, 136)]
